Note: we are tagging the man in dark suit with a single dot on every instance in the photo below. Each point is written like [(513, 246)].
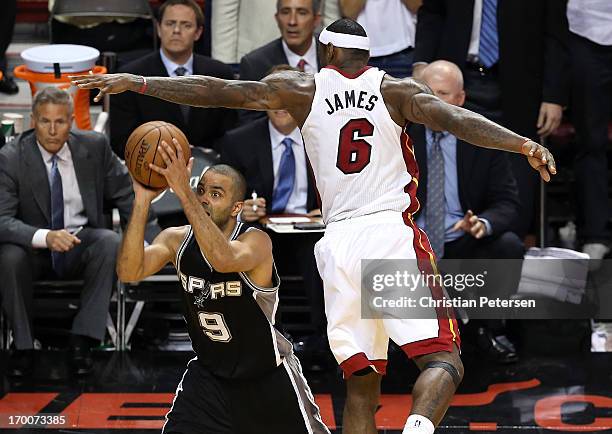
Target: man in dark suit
[(53, 184), (513, 55), (180, 25), (276, 171), (468, 199), (297, 21)]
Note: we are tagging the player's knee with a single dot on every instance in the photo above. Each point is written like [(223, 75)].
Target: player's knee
[(449, 364), (12, 258)]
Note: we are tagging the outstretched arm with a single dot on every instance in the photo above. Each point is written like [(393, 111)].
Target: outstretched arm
[(272, 93), (424, 108)]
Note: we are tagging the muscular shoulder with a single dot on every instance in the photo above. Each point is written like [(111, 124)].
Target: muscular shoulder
[(295, 89), (400, 88), (398, 94)]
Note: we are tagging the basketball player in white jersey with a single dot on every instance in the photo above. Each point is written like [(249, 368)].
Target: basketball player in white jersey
[(353, 120)]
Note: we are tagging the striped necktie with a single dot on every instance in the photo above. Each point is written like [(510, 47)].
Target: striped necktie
[(488, 52)]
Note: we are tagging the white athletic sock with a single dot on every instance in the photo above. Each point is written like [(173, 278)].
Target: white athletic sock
[(417, 424)]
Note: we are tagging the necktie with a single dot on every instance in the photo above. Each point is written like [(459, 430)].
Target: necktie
[(286, 178), (488, 52), (436, 202), (301, 64), (180, 72), (57, 212)]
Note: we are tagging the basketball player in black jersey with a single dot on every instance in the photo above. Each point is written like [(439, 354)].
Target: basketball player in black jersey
[(344, 46), (245, 378)]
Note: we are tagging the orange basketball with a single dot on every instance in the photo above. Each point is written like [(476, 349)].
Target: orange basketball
[(141, 149)]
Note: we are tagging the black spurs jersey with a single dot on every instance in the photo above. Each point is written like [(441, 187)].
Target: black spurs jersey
[(230, 320)]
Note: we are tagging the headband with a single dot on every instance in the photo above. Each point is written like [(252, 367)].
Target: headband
[(343, 40)]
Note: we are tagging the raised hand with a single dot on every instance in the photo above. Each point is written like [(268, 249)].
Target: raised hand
[(108, 83), (540, 158), (177, 172)]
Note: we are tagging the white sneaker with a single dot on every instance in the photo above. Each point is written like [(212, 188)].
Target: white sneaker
[(596, 252)]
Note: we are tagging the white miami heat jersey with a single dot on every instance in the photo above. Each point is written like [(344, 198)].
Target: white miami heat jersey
[(363, 162)]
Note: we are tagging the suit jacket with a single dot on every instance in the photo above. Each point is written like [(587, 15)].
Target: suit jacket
[(485, 181), (25, 198), (248, 149), (534, 61), (130, 109)]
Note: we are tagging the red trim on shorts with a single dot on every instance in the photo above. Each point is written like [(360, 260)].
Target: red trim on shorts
[(448, 333), (346, 74), (359, 361)]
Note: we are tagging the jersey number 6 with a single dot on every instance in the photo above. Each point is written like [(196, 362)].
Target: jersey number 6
[(214, 326), (353, 151)]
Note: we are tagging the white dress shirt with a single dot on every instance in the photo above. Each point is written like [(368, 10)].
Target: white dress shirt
[(310, 57), (74, 211), (591, 19), (390, 26), (171, 66), (475, 38), (299, 195)]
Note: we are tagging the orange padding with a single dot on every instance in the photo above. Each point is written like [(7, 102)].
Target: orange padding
[(80, 96)]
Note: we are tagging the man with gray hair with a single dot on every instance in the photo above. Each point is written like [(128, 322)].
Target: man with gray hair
[(54, 184)]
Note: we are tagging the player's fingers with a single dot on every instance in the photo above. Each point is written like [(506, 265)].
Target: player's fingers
[(480, 233), (157, 169), (552, 166), (178, 149), (163, 151), (458, 226), (190, 164), (544, 173), (473, 220)]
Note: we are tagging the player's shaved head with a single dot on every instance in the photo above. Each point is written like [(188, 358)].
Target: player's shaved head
[(239, 184), (446, 81)]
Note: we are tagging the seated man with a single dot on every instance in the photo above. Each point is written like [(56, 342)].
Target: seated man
[(472, 216), (277, 174), (180, 24), (54, 183)]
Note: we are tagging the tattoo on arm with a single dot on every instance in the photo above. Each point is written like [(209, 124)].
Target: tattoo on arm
[(203, 91), (466, 125)]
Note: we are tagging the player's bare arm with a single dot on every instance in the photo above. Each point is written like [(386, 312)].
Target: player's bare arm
[(414, 101), (250, 253), (136, 262), (288, 90)]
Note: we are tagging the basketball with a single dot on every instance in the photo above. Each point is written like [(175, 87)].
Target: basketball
[(141, 149)]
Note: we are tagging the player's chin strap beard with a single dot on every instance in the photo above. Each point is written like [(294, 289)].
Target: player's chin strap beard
[(344, 40)]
